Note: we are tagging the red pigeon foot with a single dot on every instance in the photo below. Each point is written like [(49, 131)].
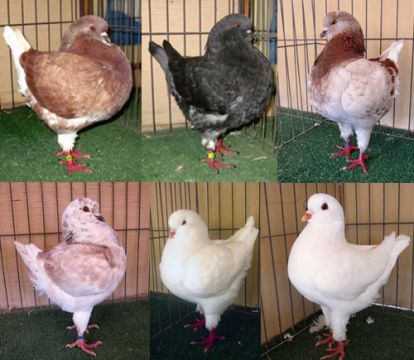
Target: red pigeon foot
[(345, 150), (328, 340), (69, 159), (85, 347), (215, 164), (358, 162), (197, 325), (91, 326), (338, 351), (209, 341), (221, 149)]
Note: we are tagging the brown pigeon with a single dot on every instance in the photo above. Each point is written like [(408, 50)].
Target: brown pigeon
[(83, 270), (349, 89), (86, 81)]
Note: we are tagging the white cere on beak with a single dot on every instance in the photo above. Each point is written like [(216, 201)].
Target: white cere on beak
[(249, 31), (106, 37)]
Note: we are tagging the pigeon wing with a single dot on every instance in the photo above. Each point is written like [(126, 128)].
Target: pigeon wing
[(80, 269)]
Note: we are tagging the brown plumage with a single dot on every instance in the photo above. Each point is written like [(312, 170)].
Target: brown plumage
[(88, 80)]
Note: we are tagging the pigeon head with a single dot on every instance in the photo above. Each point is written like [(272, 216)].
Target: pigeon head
[(324, 209), (187, 225), (80, 212), (89, 25), (229, 31), (337, 22)]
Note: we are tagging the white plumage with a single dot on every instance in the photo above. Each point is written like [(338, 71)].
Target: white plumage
[(206, 272), (83, 270), (342, 278)]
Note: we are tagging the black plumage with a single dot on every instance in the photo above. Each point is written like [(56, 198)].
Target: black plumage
[(223, 90)]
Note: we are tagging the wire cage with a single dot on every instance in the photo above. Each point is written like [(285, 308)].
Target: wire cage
[(371, 212), (225, 208), (299, 25), (31, 213), (43, 23), (186, 24)]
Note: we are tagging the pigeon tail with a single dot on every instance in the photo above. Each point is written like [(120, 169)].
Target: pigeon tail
[(18, 45), (393, 52), (171, 52), (159, 54), (30, 255)]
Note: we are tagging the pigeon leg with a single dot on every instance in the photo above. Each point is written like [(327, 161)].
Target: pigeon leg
[(221, 149), (91, 326), (338, 351), (345, 150), (197, 325), (77, 154), (358, 162), (85, 347), (69, 159), (213, 163), (328, 340), (209, 341)]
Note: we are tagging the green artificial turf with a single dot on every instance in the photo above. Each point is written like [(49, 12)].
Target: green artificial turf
[(389, 337), (175, 156), (41, 334), (307, 158), (171, 341), (28, 146)]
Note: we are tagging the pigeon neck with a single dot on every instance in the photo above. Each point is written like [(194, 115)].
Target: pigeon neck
[(342, 47), (334, 232)]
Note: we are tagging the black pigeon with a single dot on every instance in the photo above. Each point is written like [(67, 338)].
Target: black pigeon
[(223, 90)]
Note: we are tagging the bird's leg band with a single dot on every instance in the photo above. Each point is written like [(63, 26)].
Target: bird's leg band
[(211, 155)]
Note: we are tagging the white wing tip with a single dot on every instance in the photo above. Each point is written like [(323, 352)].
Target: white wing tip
[(250, 221)]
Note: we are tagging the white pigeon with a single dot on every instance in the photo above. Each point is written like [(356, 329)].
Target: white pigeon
[(342, 278), (348, 89), (81, 271), (206, 272)]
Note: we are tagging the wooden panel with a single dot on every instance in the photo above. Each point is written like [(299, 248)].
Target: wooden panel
[(299, 45), (31, 213), (223, 206)]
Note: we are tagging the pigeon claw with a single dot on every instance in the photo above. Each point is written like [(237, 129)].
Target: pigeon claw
[(337, 351), (345, 150), (69, 159), (197, 325), (85, 347), (216, 164), (358, 162), (221, 149), (328, 340), (209, 341)]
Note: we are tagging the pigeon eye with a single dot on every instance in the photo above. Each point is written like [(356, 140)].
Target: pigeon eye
[(333, 22), (238, 25), (92, 27), (324, 206), (184, 222), (85, 209)]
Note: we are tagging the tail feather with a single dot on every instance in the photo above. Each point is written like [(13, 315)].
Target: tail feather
[(159, 54), (18, 45), (393, 52), (29, 253)]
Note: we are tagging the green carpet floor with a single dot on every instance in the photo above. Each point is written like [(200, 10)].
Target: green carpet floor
[(42, 334), (28, 146), (307, 158), (174, 156), (389, 337), (171, 341)]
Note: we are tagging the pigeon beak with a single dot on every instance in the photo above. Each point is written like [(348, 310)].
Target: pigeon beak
[(171, 234), (106, 37), (100, 217), (306, 217), (323, 33)]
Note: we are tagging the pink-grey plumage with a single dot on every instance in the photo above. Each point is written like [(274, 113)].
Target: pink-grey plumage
[(86, 81), (81, 271), (349, 89)]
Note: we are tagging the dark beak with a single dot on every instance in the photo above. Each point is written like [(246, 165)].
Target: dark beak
[(101, 218), (323, 34), (106, 37)]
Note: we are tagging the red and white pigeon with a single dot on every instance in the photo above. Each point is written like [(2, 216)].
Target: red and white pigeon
[(83, 270), (341, 277), (86, 81), (350, 90), (206, 272)]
